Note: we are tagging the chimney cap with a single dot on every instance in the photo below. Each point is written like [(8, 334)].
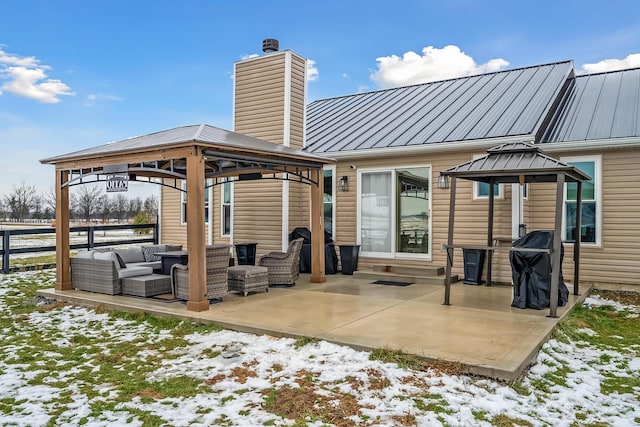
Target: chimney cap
[(270, 45)]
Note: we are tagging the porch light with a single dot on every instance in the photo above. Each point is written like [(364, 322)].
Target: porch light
[(443, 182), (344, 183)]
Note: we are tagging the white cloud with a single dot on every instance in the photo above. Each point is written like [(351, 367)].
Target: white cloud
[(434, 64), (312, 71), (249, 56), (631, 61), (26, 77), (345, 75), (93, 98)]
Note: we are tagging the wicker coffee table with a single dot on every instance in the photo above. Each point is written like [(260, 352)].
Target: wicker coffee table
[(248, 278), (146, 286)]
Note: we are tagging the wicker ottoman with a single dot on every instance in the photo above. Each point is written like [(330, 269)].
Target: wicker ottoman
[(146, 286), (248, 278)]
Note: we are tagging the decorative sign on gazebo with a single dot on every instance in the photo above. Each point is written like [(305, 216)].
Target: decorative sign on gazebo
[(117, 182)]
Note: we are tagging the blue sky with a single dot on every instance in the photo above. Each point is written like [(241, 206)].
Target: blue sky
[(76, 74)]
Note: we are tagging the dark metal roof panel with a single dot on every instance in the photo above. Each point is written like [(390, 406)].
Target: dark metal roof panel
[(502, 104), (601, 106)]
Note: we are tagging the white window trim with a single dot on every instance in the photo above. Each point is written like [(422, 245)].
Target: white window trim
[(231, 188), (393, 254), (183, 201), (474, 190), (332, 168), (597, 159)]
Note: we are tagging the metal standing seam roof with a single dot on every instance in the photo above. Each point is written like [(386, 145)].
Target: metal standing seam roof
[(511, 162), (206, 135), (503, 104), (599, 106)]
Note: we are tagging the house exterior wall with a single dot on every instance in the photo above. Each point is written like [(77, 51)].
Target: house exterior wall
[(269, 104)]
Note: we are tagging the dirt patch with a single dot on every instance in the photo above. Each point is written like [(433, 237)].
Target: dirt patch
[(299, 403), (146, 392), (405, 420), (377, 380), (242, 373), (215, 379), (622, 297)]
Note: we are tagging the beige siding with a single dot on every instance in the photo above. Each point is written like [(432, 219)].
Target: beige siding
[(296, 128), (299, 205), (258, 214), (172, 230)]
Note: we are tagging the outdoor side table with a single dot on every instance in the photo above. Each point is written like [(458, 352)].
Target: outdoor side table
[(248, 278), (146, 286)]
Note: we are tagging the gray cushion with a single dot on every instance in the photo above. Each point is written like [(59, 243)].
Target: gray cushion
[(156, 265), (149, 252), (85, 254), (131, 255), (132, 271)]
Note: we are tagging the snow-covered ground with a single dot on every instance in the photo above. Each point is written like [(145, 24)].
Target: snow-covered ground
[(242, 377)]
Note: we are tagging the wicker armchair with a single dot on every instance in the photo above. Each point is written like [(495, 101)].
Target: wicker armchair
[(283, 266), (217, 262)]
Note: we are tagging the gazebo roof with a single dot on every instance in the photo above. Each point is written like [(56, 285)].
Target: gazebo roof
[(207, 136), (516, 162)]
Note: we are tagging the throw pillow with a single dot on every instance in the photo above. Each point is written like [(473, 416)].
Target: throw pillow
[(149, 252), (121, 263)]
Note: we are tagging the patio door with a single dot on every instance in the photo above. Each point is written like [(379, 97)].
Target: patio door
[(393, 212)]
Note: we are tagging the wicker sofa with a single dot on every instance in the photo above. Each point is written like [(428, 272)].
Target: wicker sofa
[(284, 267), (102, 270), (217, 263)]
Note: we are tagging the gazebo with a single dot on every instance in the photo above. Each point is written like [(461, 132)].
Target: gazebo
[(521, 163), (194, 154)]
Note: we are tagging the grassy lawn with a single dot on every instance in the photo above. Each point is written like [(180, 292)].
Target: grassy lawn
[(69, 365)]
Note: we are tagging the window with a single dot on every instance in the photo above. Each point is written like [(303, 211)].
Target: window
[(481, 190), (226, 197), (329, 201), (591, 190), (183, 204), (393, 213)]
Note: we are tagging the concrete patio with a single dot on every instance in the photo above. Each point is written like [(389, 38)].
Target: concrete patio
[(480, 329)]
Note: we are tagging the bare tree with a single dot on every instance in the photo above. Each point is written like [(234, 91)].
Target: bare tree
[(135, 206), (151, 207), (106, 208), (86, 202), (49, 202), (120, 207), (20, 201)]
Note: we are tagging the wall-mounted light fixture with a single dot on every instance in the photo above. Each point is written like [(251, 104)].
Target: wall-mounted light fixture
[(443, 182), (344, 183)]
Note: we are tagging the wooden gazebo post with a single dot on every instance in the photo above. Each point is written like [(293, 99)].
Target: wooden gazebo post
[(196, 232), (63, 270), (557, 247), (317, 227)]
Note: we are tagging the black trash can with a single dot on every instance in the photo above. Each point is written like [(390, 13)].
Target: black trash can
[(473, 263), (330, 259), (349, 258), (246, 253)]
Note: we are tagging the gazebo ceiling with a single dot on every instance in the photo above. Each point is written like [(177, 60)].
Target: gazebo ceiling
[(516, 162)]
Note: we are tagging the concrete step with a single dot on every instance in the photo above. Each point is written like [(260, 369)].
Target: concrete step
[(396, 277), (410, 270)]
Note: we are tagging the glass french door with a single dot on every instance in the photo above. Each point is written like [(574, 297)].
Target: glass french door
[(394, 211)]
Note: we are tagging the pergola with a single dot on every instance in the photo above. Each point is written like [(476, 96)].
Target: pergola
[(520, 163), (194, 154)]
